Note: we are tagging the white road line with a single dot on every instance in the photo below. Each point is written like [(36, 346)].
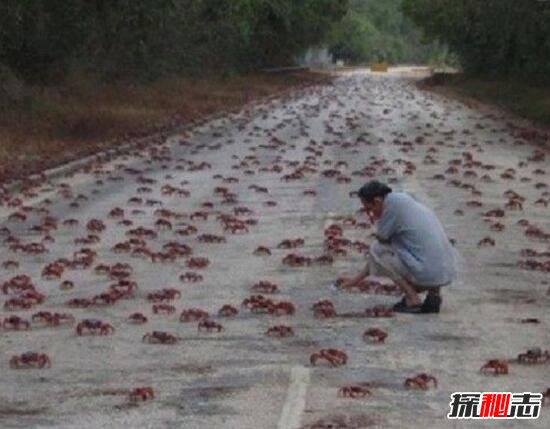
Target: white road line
[(295, 398)]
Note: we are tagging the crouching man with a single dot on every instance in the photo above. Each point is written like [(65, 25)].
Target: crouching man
[(412, 248)]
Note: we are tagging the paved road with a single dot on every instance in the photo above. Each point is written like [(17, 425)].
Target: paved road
[(326, 141)]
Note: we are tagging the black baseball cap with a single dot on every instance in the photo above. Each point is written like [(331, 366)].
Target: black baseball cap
[(373, 189)]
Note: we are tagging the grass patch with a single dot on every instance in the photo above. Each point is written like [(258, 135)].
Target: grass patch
[(525, 100), (57, 124)]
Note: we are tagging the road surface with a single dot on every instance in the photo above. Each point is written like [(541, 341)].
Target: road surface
[(327, 141)]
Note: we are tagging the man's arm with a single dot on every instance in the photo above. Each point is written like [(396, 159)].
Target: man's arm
[(350, 283)]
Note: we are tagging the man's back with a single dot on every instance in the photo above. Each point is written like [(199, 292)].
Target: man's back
[(419, 240)]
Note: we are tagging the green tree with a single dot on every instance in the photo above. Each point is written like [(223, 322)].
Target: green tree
[(376, 30), (133, 39), (493, 37)]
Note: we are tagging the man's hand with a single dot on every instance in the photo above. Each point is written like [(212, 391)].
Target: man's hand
[(346, 283), (371, 217)]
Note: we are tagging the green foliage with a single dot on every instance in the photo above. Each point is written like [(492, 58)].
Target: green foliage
[(377, 30), (492, 37), (45, 39)]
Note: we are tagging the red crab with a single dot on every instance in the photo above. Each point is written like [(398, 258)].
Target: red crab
[(210, 238), (141, 232), (354, 392), (53, 271), (17, 284), (227, 311), (487, 241), (137, 318), (193, 315), (106, 298), (281, 308), (257, 303), (333, 357), (162, 257), (534, 356), (20, 303), (209, 326), (199, 214), (323, 260), (236, 227), (66, 285), (94, 327), (52, 319), (324, 309), (158, 337), (95, 225), (262, 251), (79, 303), (163, 309), (495, 367), (141, 394), (375, 335), (421, 381), (10, 264), (291, 243), (166, 294), (265, 287), (186, 229), (117, 212), (191, 277), (379, 311), (280, 331), (177, 249), (198, 262), (15, 323), (30, 360), (294, 260)]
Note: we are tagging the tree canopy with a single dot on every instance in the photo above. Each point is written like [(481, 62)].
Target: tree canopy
[(491, 37), (43, 39), (377, 30)]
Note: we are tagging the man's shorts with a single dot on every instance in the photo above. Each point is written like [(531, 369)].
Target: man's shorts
[(384, 262)]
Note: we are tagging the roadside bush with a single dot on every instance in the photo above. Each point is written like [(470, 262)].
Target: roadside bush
[(501, 38)]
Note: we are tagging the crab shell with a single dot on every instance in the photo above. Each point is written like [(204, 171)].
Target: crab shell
[(353, 392), (30, 360)]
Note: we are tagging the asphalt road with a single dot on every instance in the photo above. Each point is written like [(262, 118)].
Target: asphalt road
[(327, 141)]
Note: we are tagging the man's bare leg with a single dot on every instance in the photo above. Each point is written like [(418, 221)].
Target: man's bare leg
[(411, 295)]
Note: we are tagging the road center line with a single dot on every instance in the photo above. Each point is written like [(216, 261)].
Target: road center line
[(295, 398)]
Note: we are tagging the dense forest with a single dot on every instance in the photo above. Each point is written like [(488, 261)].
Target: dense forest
[(46, 40), (43, 40), (503, 38), (377, 30)]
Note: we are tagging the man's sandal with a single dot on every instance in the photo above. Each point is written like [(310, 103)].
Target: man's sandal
[(400, 305), (431, 304), (415, 309)]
